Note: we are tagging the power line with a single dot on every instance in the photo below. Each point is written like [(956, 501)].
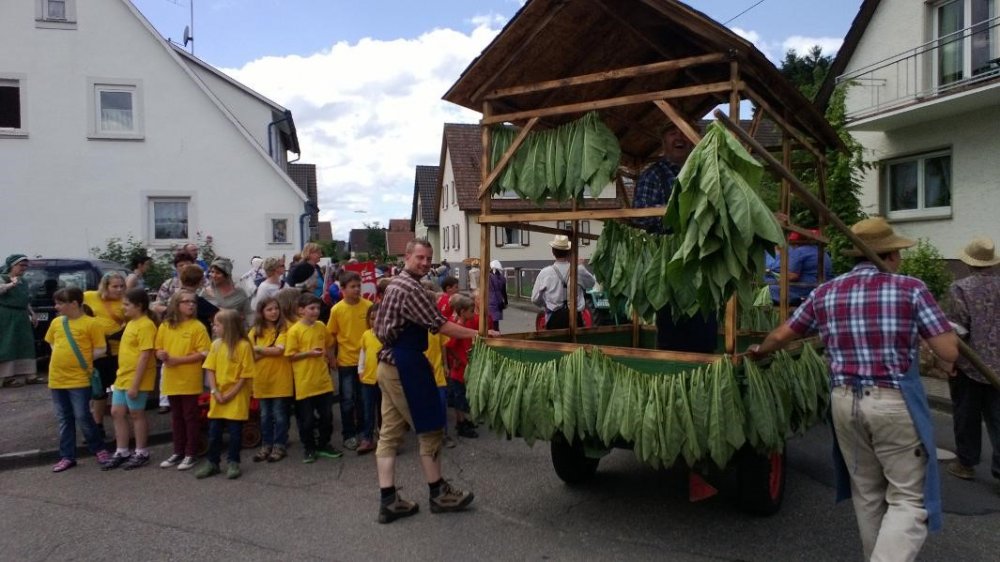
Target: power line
[(758, 3)]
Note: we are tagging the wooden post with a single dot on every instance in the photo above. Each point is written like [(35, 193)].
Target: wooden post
[(485, 230), (732, 307), (786, 208), (821, 223), (574, 267)]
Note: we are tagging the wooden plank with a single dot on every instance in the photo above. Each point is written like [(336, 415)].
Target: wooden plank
[(507, 156), (583, 107), (678, 120), (806, 233), (784, 124), (629, 72), (485, 231), (611, 351), (549, 230), (586, 214)]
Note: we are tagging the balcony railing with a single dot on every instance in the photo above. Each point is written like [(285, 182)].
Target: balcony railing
[(943, 66)]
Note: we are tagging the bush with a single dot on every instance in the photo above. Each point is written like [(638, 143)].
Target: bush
[(162, 268), (926, 263)]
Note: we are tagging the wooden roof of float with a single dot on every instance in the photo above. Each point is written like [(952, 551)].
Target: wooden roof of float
[(548, 42)]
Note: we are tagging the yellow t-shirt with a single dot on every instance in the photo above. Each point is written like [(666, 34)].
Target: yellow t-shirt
[(139, 336), (228, 371), (273, 373), (370, 346), (110, 314), (188, 337), (347, 323), (64, 368), (435, 354), (312, 375)]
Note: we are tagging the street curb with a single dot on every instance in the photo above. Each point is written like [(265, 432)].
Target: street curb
[(40, 457)]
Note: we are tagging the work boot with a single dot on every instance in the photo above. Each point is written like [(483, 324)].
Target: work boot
[(395, 508), (450, 499), (959, 470)]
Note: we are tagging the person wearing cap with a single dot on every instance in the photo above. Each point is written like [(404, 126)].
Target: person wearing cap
[(551, 289), (224, 293), (803, 269), (871, 323), (17, 340), (497, 296), (975, 307)]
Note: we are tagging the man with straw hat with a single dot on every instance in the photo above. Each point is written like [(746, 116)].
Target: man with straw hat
[(551, 289), (975, 307), (871, 324)]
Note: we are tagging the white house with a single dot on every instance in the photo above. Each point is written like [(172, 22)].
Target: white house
[(107, 130), (924, 101)]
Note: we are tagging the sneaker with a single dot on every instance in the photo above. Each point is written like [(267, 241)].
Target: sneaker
[(103, 457), (467, 430), (187, 464), (959, 470), (366, 446), (136, 461), (450, 499), (164, 410), (277, 454), (263, 454), (63, 464), (309, 457), (206, 470), (329, 452), (171, 461), (35, 379), (396, 509), (351, 443), (448, 442), (233, 471), (115, 462)]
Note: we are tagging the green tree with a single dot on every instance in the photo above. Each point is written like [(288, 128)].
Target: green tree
[(926, 263), (376, 238), (122, 251)]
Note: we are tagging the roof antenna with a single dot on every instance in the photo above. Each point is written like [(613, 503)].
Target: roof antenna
[(189, 29)]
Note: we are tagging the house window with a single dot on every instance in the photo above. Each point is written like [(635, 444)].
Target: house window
[(583, 226), (169, 218), (446, 239), (55, 14), (279, 229), (457, 242), (918, 186), (12, 106), (117, 110), (507, 237), (444, 196), (968, 44), (454, 194)]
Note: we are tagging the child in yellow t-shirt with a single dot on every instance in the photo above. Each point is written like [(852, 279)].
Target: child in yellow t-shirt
[(105, 305), (230, 369), (436, 356), (76, 341), (347, 324), (273, 384), (308, 347), (181, 344), (371, 396), (136, 378)]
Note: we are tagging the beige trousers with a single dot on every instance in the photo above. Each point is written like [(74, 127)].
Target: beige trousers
[(396, 418), (887, 464)]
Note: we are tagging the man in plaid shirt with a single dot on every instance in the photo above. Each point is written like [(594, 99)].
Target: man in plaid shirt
[(870, 322)]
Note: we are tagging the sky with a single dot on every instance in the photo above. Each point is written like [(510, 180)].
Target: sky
[(364, 78)]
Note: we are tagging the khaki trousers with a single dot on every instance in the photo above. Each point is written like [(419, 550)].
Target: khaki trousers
[(396, 418), (887, 465)]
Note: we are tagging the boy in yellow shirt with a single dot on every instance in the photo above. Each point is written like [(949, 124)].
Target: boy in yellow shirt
[(347, 323), (371, 396), (308, 346)]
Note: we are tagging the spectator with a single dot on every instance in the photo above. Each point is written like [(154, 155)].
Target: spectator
[(191, 249), (224, 293), (551, 289), (497, 293), (274, 269), (17, 340), (139, 264)]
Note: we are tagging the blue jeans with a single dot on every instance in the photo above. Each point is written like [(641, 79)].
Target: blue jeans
[(274, 421), (215, 440), (371, 399), (72, 407), (349, 396)]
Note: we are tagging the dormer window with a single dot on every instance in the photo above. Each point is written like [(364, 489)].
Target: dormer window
[(55, 14)]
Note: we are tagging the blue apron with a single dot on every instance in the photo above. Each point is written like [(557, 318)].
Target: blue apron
[(916, 402), (417, 378)]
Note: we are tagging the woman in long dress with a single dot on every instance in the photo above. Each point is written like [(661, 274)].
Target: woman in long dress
[(17, 340)]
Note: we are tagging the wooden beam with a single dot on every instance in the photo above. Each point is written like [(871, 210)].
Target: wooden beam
[(547, 230), (788, 127), (786, 209), (678, 120), (821, 209), (589, 214), (484, 231), (610, 351), (583, 107), (806, 233), (507, 156), (630, 72)]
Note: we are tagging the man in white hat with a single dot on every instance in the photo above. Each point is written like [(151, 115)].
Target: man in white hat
[(871, 324), (975, 307), (551, 289)]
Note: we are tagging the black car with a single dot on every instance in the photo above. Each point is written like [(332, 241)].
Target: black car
[(47, 275)]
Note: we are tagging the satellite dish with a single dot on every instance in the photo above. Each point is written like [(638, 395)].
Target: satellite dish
[(188, 38)]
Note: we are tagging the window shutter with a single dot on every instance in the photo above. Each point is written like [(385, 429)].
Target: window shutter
[(458, 237), (497, 236), (524, 237)]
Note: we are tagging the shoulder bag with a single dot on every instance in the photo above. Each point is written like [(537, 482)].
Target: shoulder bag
[(96, 386)]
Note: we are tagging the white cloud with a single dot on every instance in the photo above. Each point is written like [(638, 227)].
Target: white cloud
[(756, 38), (367, 113), (801, 45)]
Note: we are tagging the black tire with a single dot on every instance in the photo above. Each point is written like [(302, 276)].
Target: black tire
[(760, 481), (572, 465)]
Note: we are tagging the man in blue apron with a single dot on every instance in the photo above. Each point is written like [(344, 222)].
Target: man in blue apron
[(870, 322), (410, 397)]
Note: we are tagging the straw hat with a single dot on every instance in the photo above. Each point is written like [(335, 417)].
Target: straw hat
[(561, 242), (979, 253), (877, 235)]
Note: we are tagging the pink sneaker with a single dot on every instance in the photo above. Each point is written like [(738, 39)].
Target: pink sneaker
[(103, 457), (63, 464)]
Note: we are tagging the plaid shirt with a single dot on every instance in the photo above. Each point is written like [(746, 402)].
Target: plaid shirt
[(653, 190), (869, 321), (405, 301)]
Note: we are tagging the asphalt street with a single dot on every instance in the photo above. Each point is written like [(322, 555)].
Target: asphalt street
[(326, 511)]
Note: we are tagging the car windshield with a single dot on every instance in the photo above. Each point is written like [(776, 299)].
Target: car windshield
[(43, 282)]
